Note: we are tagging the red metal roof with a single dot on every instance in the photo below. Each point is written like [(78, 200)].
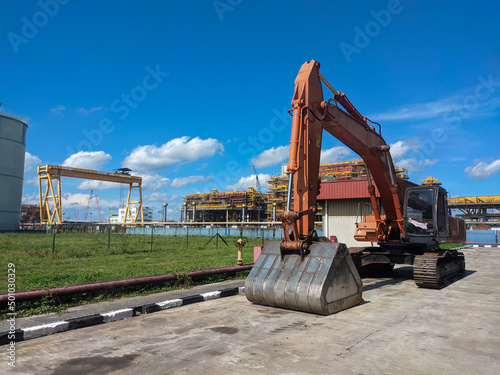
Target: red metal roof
[(345, 190)]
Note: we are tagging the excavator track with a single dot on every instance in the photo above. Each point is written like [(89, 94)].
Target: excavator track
[(436, 270)]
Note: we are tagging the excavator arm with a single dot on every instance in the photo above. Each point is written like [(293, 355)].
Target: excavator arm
[(305, 272)]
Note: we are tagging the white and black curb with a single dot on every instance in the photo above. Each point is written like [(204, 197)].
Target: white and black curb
[(111, 316), (484, 245)]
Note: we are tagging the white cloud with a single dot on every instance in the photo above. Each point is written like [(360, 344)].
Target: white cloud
[(78, 202), (401, 148), (414, 164), (273, 156), (457, 159), (460, 104), (71, 201), (87, 160), (31, 162), (482, 170), (182, 181), (98, 185), (78, 199), (152, 182), (334, 154), (245, 182), (31, 198), (417, 111), (277, 155), (58, 109), (159, 197), (31, 181), (178, 150), (86, 112)]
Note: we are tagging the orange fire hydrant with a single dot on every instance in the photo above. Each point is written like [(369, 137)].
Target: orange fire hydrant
[(240, 243)]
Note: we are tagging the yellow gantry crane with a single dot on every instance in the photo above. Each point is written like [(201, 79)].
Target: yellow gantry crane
[(477, 208), (52, 175)]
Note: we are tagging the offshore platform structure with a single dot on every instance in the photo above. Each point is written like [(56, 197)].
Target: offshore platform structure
[(50, 176), (223, 206)]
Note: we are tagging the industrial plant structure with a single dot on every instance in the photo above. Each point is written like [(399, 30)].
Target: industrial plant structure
[(345, 182), (30, 213), (216, 206), (478, 212), (13, 131)]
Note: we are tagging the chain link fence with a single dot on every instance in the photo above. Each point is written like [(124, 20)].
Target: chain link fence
[(483, 237), (116, 237)]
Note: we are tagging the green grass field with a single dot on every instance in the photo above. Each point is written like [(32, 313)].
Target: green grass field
[(82, 258)]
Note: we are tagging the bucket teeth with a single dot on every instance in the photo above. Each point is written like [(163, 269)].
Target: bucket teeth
[(325, 282)]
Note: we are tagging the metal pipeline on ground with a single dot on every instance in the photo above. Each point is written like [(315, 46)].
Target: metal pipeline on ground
[(93, 287)]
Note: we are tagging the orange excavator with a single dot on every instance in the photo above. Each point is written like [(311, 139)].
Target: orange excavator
[(310, 273)]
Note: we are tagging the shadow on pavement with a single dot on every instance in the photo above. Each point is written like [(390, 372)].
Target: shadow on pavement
[(402, 273)]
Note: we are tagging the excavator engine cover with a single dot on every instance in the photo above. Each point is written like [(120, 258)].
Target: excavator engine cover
[(325, 282)]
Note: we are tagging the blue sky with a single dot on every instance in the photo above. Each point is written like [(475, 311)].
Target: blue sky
[(191, 94)]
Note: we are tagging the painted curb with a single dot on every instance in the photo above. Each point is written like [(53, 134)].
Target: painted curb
[(33, 332), (484, 245)]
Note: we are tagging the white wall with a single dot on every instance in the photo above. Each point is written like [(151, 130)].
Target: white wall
[(339, 219), (147, 212), (343, 228)]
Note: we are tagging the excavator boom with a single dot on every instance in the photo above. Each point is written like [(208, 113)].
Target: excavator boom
[(305, 272)]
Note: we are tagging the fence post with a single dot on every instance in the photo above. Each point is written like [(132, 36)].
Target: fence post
[(53, 238), (152, 231), (187, 235), (109, 235)]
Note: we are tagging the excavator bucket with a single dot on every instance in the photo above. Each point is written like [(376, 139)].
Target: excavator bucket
[(325, 282)]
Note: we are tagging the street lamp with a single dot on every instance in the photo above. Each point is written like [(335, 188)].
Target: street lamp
[(165, 206)]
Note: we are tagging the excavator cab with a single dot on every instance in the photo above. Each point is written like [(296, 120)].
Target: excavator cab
[(426, 215)]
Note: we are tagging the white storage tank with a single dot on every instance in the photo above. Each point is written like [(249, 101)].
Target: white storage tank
[(12, 152)]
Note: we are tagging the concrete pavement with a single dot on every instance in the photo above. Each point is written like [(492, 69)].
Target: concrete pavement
[(110, 311)]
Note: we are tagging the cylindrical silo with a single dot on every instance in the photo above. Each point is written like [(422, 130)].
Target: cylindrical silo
[(12, 151)]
